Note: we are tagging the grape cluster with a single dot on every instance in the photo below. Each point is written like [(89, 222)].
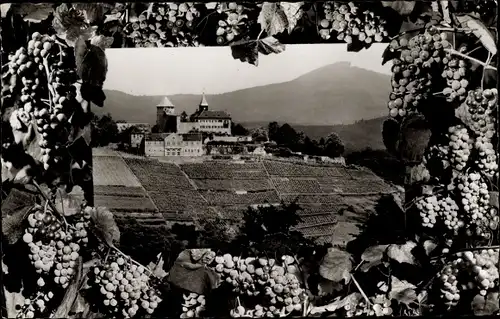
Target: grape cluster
[(455, 72), (169, 24), (36, 304), (45, 67), (233, 23), (469, 270), (194, 305), (53, 247), (125, 288), (481, 106), (443, 209), (475, 201), (413, 71), (349, 22), (448, 283), (251, 277), (460, 146)]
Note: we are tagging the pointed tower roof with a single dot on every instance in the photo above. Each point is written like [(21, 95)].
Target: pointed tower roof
[(203, 101), (165, 102)]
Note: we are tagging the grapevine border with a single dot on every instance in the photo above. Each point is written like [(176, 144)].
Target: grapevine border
[(263, 28)]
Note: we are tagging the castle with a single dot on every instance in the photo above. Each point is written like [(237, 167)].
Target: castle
[(203, 120), (180, 135)]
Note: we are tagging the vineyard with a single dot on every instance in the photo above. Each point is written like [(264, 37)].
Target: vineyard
[(433, 251)]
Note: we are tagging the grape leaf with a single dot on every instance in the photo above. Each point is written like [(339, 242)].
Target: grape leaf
[(68, 204), (94, 13), (11, 300), (389, 55), (293, 13), (157, 269), (338, 303), (91, 63), (5, 8), (102, 41), (357, 46), (402, 291), (14, 210), (247, 51), (374, 253), (480, 31), (413, 139), (105, 226), (33, 12), (270, 45), (402, 253), (272, 18), (429, 246), (485, 306), (404, 8), (336, 265)]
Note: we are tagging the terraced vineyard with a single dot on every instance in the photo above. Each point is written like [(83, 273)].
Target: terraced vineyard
[(166, 192)]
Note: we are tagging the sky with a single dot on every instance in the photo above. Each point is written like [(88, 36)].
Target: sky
[(212, 70)]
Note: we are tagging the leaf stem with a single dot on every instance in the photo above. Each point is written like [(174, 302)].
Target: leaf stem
[(455, 52), (361, 290)]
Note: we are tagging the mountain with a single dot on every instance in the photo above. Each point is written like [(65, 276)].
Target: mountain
[(334, 94)]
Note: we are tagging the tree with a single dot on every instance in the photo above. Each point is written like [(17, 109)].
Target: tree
[(334, 147), (287, 135), (155, 129), (238, 129), (259, 134), (184, 116), (272, 130), (104, 130)]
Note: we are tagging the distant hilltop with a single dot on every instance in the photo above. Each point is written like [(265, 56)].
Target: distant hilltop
[(335, 94)]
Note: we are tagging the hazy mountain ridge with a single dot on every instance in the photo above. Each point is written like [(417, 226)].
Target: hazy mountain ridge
[(334, 94)]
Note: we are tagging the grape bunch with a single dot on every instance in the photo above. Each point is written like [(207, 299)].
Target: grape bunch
[(194, 305), (43, 76), (36, 304), (233, 23), (469, 271), (414, 70), (349, 22), (481, 268), (448, 283), (443, 209), (481, 106), (169, 24), (475, 201), (455, 73), (125, 288), (460, 146), (276, 282)]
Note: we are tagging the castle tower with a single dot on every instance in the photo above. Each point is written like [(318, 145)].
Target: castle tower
[(203, 104), (165, 116)]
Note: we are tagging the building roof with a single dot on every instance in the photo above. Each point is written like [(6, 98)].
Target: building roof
[(213, 115), (165, 102), (156, 136), (192, 137), (203, 101)]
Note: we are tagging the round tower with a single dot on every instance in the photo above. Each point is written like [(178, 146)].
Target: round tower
[(165, 116)]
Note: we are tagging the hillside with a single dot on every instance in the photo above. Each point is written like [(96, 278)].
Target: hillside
[(334, 94), (356, 136), (335, 199)]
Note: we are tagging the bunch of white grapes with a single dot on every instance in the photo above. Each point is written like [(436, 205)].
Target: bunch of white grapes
[(169, 24), (487, 157), (475, 201), (443, 209), (469, 271), (351, 23), (36, 305), (234, 23), (44, 78), (455, 72), (460, 145), (250, 277), (194, 305), (125, 288)]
